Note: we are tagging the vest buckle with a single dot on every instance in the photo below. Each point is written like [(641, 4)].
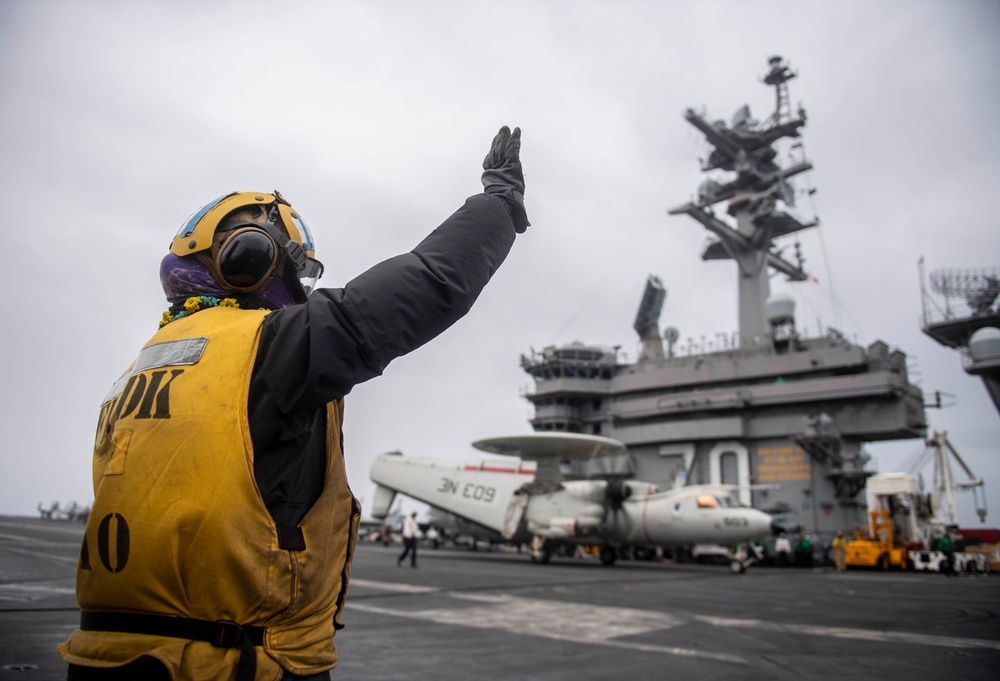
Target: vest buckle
[(228, 634)]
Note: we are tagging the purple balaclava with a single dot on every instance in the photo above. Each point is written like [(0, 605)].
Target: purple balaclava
[(184, 277)]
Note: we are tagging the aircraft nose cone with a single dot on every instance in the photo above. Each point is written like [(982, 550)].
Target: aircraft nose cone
[(761, 523)]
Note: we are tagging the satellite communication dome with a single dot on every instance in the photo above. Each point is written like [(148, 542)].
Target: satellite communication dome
[(780, 309), (985, 344), (707, 190)]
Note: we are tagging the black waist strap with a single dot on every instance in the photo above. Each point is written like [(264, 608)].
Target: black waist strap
[(221, 633)]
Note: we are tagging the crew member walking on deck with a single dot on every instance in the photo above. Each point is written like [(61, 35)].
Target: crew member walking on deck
[(409, 540)]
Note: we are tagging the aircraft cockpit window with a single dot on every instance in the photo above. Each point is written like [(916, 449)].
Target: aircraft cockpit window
[(729, 500), (706, 501)]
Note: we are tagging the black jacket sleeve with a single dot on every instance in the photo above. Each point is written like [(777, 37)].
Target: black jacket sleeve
[(316, 352)]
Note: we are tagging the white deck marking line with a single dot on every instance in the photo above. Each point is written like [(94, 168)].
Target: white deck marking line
[(556, 620), (855, 634), (30, 592), (398, 587)]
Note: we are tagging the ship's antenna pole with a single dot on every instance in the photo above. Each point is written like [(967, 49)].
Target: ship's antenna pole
[(923, 289), (778, 77), (752, 197)]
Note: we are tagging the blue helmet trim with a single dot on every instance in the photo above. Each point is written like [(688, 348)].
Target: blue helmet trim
[(304, 233), (188, 227)]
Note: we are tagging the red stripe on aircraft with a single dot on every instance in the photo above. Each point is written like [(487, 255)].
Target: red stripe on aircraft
[(496, 469)]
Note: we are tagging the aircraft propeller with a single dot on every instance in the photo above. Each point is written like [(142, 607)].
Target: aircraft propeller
[(616, 491)]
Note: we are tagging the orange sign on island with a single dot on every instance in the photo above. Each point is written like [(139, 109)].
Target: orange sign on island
[(782, 464)]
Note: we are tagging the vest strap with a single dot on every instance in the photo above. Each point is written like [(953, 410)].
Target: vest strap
[(220, 633), (291, 538)]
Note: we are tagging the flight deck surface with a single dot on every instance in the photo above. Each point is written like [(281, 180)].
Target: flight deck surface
[(495, 615)]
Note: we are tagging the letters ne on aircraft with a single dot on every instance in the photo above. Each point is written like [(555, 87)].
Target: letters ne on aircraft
[(532, 503)]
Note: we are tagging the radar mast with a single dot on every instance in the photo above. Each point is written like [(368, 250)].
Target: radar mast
[(746, 148)]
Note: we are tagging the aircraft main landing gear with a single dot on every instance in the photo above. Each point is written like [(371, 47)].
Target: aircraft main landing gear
[(539, 550)]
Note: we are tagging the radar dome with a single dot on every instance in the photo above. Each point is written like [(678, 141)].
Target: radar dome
[(780, 309), (985, 344)]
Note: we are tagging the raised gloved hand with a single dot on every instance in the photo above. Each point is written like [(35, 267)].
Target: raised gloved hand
[(502, 175)]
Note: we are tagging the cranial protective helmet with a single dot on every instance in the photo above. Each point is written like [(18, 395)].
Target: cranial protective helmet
[(246, 238)]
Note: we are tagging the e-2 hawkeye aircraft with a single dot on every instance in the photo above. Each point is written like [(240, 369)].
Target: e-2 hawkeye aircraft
[(528, 501)]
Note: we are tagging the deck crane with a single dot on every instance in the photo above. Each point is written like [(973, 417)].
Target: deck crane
[(946, 487), (903, 516)]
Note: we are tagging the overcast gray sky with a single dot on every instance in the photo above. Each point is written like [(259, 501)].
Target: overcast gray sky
[(118, 119)]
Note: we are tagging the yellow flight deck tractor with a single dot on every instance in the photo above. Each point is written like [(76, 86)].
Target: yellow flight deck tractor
[(877, 548)]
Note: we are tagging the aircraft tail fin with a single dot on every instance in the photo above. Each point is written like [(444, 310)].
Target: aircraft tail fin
[(383, 501), (477, 492)]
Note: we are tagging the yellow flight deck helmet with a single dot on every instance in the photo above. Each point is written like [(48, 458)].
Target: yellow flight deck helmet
[(244, 253)]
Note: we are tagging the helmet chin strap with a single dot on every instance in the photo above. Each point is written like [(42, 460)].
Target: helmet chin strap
[(296, 257), (292, 249)]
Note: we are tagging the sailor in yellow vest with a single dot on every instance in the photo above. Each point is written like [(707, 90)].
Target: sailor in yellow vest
[(220, 541), (840, 551)]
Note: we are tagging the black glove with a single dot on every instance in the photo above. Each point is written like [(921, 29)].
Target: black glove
[(503, 178)]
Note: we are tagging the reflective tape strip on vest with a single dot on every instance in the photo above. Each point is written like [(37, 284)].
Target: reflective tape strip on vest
[(178, 526)]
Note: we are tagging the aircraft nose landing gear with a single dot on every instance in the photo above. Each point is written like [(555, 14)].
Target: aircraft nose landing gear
[(743, 556)]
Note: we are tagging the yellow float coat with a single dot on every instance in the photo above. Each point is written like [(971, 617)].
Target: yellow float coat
[(178, 526)]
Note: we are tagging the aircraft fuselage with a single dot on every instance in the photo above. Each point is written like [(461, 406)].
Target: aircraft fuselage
[(504, 498)]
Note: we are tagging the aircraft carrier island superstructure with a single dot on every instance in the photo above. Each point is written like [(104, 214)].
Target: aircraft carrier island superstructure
[(780, 415)]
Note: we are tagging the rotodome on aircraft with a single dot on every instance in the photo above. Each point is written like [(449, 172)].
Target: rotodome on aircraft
[(527, 500)]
